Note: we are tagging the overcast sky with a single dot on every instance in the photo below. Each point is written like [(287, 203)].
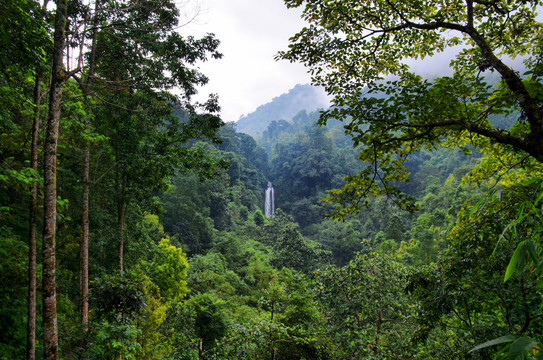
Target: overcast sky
[(251, 33)]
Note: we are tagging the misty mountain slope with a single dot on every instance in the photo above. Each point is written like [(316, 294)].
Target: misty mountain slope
[(283, 107)]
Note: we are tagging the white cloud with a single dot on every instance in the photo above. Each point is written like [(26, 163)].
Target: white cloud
[(251, 33)]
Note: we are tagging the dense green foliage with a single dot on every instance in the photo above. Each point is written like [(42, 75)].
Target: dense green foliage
[(177, 197)]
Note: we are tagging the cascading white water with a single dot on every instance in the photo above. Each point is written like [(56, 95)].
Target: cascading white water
[(269, 206)]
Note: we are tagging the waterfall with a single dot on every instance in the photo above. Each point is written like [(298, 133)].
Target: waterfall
[(269, 206)]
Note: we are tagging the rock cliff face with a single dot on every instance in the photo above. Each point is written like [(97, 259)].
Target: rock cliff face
[(283, 107)]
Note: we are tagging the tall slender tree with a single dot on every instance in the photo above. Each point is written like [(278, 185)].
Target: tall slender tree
[(32, 227), (33, 209), (58, 77), (85, 231)]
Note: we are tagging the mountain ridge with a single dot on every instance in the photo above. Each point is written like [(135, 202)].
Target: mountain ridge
[(283, 107)]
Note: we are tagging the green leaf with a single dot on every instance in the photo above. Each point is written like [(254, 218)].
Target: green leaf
[(514, 261), (493, 342), (539, 197), (502, 236)]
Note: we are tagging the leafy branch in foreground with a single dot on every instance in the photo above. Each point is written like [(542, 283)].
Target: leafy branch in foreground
[(350, 46), (525, 266)]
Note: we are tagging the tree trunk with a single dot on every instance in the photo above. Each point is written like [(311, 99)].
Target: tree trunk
[(85, 237), (33, 226), (58, 77), (85, 231), (32, 232), (121, 221), (120, 180)]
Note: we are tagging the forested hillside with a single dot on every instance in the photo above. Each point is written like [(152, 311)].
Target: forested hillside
[(282, 107), (408, 215)]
